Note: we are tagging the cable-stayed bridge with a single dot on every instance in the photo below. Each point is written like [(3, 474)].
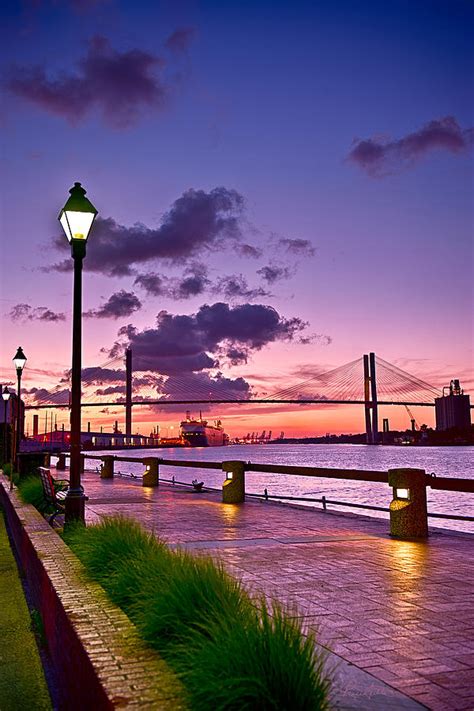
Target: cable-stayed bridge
[(369, 381), (342, 385)]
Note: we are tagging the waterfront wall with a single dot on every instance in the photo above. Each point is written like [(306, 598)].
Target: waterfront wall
[(97, 658)]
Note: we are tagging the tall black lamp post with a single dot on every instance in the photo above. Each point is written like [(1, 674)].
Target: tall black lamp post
[(6, 397), (76, 218), (19, 360)]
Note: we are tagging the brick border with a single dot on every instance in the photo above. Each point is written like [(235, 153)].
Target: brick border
[(97, 657)]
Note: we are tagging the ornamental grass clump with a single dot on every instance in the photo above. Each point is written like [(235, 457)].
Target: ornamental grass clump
[(230, 651), (31, 492)]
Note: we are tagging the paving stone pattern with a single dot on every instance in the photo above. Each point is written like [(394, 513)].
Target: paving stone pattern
[(402, 611)]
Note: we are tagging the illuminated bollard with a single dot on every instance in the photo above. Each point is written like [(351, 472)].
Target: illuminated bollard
[(107, 468), (408, 510), (233, 488), (151, 476), (47, 460), (61, 463)]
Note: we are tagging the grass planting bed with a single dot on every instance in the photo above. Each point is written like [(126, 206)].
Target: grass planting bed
[(230, 651)]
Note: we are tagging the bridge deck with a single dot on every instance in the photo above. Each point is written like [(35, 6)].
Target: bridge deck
[(401, 612)]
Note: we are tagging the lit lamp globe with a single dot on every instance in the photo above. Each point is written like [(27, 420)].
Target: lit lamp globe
[(5, 394), (19, 360), (77, 217)]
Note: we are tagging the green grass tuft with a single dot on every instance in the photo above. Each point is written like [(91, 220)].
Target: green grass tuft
[(230, 652), (265, 664), (31, 492)]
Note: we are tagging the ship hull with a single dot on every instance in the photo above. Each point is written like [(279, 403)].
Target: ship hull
[(202, 436)]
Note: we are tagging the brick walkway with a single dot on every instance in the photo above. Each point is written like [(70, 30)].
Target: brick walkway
[(403, 612)]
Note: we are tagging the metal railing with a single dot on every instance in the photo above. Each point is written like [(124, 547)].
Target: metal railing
[(454, 484)]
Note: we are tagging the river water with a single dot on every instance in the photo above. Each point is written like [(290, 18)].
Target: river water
[(443, 461)]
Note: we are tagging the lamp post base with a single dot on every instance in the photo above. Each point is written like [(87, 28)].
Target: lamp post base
[(74, 506)]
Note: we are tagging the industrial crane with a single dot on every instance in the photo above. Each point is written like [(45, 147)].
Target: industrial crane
[(414, 423)]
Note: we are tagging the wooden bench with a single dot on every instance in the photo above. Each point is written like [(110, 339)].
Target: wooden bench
[(54, 492)]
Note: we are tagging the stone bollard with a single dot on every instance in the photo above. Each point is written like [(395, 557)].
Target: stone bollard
[(47, 459), (408, 510), (61, 463), (233, 488), (107, 468), (151, 477)]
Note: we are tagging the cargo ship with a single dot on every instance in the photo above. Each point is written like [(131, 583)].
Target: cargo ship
[(198, 433)]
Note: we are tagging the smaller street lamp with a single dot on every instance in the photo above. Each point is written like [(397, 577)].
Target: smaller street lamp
[(6, 397), (19, 360)]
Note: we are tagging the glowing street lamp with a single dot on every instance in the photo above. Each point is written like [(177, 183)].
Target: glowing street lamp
[(76, 218), (19, 360)]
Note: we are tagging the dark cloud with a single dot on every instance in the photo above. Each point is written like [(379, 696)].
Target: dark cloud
[(236, 287), (202, 386), (321, 338), (380, 156), (248, 250), (180, 39), (111, 390), (196, 222), (193, 282), (273, 273), (121, 304), (299, 247), (25, 312), (181, 343), (117, 84), (237, 355), (190, 286), (54, 397), (152, 283)]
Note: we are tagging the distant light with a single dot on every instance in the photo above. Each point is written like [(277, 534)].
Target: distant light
[(19, 359), (77, 215), (402, 493)]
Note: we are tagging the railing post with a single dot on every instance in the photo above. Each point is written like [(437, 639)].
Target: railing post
[(107, 468), (151, 477), (408, 510), (47, 459), (233, 488), (83, 463), (61, 463)]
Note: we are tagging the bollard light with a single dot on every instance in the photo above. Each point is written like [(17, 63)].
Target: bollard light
[(402, 494), (229, 475)]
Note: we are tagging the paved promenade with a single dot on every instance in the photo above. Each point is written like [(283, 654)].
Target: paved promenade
[(398, 615)]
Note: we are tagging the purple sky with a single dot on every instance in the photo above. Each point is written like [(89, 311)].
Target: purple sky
[(291, 182)]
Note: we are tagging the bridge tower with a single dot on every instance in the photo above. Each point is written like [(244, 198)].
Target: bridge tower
[(367, 406), (370, 400), (128, 395), (375, 410)]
